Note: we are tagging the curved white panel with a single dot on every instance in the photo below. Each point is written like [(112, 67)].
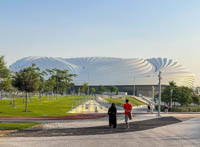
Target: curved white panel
[(114, 71)]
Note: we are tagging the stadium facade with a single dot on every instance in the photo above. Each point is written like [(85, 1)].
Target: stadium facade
[(129, 75)]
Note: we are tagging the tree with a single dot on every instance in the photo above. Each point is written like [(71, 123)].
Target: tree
[(49, 86), (101, 89), (196, 99), (5, 76), (166, 94), (12, 95), (184, 95), (63, 80), (27, 80), (113, 89), (71, 88), (92, 90), (42, 84), (84, 88)]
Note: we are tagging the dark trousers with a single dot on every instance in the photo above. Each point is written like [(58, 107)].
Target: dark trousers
[(112, 120)]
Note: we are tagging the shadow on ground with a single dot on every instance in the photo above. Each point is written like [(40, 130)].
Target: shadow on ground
[(134, 126)]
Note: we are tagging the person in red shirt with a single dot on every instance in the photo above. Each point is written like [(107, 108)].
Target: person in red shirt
[(128, 109)]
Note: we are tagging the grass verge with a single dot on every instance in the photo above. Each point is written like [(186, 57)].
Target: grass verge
[(16, 126)]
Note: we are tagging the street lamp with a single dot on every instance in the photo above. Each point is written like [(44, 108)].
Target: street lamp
[(171, 92), (134, 85), (88, 84), (153, 89), (159, 98)]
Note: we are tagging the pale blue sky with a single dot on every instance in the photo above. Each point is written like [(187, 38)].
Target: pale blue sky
[(112, 28)]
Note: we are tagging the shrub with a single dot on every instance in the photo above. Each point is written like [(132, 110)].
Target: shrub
[(186, 109)]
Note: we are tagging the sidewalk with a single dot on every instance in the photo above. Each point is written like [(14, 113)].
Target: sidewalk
[(184, 134), (95, 122)]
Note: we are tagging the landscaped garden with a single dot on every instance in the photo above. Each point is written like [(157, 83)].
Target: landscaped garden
[(43, 107)]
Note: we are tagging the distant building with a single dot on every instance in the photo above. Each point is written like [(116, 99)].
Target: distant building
[(134, 76)]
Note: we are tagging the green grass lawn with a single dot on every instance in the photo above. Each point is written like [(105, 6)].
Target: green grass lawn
[(44, 107), (16, 126), (120, 101)]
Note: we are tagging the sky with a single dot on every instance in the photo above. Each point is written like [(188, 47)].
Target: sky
[(111, 28)]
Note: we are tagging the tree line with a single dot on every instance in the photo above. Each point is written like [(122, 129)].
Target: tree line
[(179, 94), (31, 79), (85, 89)]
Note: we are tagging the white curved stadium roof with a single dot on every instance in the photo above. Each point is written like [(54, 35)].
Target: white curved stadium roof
[(114, 71)]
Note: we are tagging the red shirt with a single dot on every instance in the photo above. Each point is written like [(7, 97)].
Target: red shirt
[(127, 107)]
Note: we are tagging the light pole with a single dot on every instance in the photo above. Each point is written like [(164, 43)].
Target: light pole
[(56, 87), (79, 90), (159, 98), (88, 92), (153, 89), (134, 85), (171, 92)]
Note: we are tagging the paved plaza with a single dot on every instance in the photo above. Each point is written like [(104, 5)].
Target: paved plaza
[(168, 130)]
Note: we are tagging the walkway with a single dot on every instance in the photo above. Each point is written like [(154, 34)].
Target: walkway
[(147, 130), (184, 134)]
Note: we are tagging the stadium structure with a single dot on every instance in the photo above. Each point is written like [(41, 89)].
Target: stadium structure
[(134, 75)]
